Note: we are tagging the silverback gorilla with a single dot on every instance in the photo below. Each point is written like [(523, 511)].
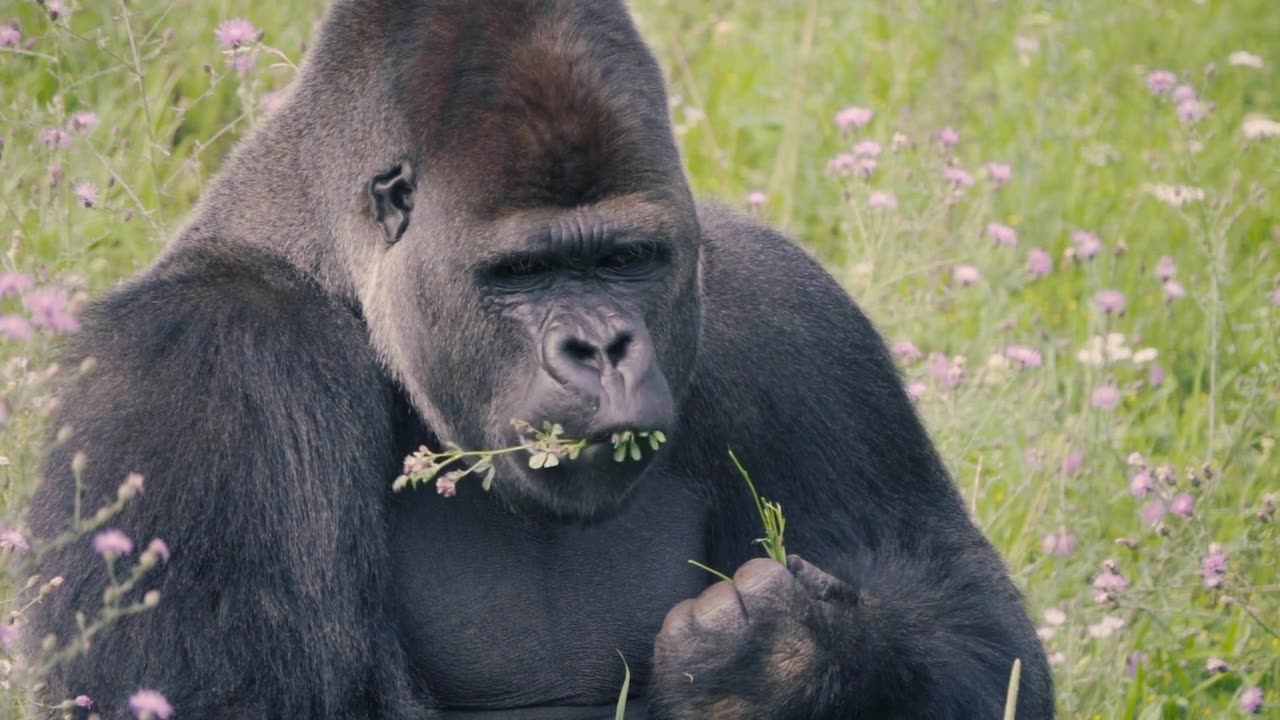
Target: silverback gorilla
[(472, 211)]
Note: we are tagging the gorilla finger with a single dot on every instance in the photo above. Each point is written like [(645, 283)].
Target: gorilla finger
[(720, 607), (765, 578), (679, 618), (819, 583)]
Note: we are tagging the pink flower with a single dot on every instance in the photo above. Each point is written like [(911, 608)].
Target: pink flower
[(150, 704), (868, 149), (1111, 302), (1039, 263), (1087, 244), (907, 351), (948, 137), (1173, 290), (945, 372), (10, 36), (842, 164), (15, 327), (882, 201), (1216, 666), (160, 549), (1108, 585), (757, 199), (241, 62), (1251, 701), (853, 117), (1213, 567), (1183, 505), (1165, 269), (55, 138), (110, 543), (958, 177), (235, 33), (866, 166), (84, 121), (1024, 356), (55, 8), (1002, 234), (86, 193), (916, 390), (966, 275), (1072, 461), (1160, 82), (1155, 375), (13, 540), (1105, 397), (1058, 543), (1167, 475), (14, 283), (84, 701), (1184, 93), (446, 486), (1141, 483), (999, 173), (55, 174), (273, 101), (1192, 111), (49, 308)]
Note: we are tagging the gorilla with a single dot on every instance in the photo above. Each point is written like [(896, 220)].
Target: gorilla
[(470, 212)]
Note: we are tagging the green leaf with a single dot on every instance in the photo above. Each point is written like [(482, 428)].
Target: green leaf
[(635, 450), (660, 436), (487, 483), (621, 712), (537, 460), (552, 460), (620, 453)]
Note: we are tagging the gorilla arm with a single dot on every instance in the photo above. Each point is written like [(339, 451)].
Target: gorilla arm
[(899, 607), (225, 382)]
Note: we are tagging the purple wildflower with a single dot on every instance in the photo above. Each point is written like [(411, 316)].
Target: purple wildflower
[(958, 177), (1213, 567), (916, 390), (235, 33), (1193, 111), (1184, 93), (948, 137), (1108, 585), (757, 199), (1165, 269), (852, 118), (110, 543), (1086, 243), (945, 372), (1141, 483), (882, 201), (1161, 82), (1111, 302), (1105, 397), (55, 138), (8, 636), (86, 193), (1072, 461), (1039, 263), (999, 173), (84, 121), (1183, 505), (1155, 375), (49, 308), (13, 540), (10, 36), (907, 351), (1024, 356), (1059, 543), (160, 549), (1217, 666), (842, 164), (1132, 662), (14, 283), (1251, 701), (1153, 512), (55, 8), (150, 704), (15, 327), (868, 149), (84, 701), (966, 275), (241, 62), (1002, 234), (1173, 290)]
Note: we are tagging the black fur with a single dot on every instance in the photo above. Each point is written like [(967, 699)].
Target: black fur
[(270, 372)]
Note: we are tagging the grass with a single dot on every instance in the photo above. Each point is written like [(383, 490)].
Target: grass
[(1056, 90)]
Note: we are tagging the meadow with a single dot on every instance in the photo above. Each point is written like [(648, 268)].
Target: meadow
[(1063, 217)]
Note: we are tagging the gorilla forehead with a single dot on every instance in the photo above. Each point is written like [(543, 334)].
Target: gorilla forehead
[(519, 102)]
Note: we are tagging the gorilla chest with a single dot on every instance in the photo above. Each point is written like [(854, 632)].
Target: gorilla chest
[(499, 611)]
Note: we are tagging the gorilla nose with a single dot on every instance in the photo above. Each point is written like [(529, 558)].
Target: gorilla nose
[(582, 359)]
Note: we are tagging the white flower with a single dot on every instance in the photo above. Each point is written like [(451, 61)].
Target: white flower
[(1145, 355), (1256, 127), (1175, 195), (1054, 616), (1106, 627), (1244, 58)]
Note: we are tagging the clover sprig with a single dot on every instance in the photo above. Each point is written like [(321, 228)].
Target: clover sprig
[(547, 448)]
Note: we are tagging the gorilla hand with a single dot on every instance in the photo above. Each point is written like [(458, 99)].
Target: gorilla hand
[(763, 647)]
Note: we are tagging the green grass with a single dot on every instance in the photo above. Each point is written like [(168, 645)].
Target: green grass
[(755, 87)]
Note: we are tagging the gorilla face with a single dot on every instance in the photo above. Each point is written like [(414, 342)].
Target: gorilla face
[(586, 316)]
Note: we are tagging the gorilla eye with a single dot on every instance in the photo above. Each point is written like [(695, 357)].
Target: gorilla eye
[(519, 272), (632, 260)]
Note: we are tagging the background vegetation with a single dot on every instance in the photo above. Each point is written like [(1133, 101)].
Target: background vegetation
[(1092, 340)]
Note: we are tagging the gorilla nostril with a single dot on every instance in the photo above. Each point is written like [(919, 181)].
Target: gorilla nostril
[(618, 349), (579, 351)]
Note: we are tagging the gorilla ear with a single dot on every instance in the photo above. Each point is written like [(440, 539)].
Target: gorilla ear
[(392, 196)]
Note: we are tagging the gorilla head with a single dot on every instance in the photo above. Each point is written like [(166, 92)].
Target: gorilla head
[(547, 273)]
